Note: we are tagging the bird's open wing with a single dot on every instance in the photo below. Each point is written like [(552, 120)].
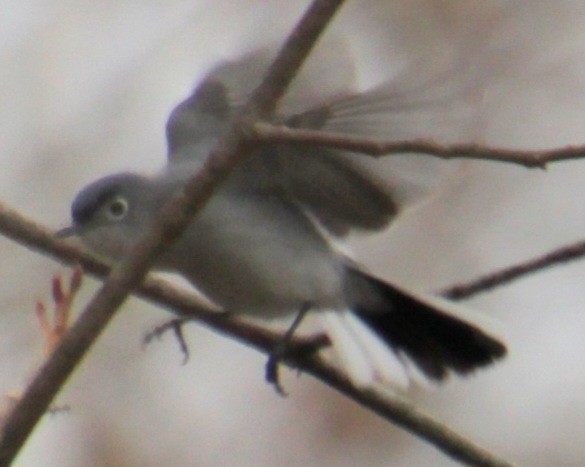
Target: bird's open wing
[(344, 191)]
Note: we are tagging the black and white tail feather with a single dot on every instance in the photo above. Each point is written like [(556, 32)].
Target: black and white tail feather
[(395, 337)]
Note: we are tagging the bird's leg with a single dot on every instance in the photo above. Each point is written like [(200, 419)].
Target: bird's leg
[(176, 325), (281, 349)]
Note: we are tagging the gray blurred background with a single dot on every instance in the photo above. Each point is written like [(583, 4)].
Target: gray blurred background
[(85, 89)]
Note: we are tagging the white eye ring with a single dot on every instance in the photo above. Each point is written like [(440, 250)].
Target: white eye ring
[(117, 208)]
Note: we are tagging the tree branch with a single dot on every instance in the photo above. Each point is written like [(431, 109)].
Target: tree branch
[(161, 293), (504, 276), (269, 133), (129, 273)]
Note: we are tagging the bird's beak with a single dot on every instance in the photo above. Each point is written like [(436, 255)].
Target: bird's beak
[(70, 231)]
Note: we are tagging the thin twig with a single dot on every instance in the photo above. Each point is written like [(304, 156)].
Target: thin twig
[(504, 276), (407, 415), (56, 325), (268, 133), (292, 55), (129, 273), (161, 293)]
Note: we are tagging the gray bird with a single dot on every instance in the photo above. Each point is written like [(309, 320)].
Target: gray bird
[(265, 243)]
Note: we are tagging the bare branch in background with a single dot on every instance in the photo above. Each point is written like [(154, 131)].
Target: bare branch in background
[(517, 271), (268, 133), (129, 273)]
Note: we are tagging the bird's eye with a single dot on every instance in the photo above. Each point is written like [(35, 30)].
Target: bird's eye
[(118, 208)]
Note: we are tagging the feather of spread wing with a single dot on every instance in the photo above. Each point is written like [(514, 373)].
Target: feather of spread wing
[(342, 190)]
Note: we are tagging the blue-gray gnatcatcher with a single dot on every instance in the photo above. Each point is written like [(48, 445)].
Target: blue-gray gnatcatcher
[(262, 245)]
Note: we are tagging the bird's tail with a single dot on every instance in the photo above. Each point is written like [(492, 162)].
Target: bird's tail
[(434, 334)]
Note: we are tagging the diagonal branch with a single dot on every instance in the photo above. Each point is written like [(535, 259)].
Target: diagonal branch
[(504, 276), (269, 133), (161, 293), (129, 273)]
